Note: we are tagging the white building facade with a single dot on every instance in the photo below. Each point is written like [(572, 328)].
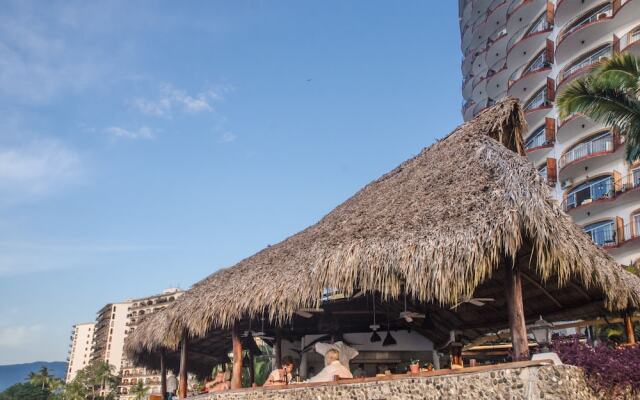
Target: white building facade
[(137, 311), (110, 333), (531, 50), (80, 349)]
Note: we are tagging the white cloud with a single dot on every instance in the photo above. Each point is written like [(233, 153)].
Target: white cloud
[(228, 137), (38, 60), (143, 133), (35, 168), (172, 100), (18, 336)]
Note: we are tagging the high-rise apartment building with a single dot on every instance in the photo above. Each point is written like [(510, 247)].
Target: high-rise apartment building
[(531, 50), (104, 340), (80, 348), (110, 332), (139, 309)]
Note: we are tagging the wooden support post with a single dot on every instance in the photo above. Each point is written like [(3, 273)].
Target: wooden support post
[(278, 348), (628, 327), (515, 308), (182, 389), (163, 375), (236, 373)]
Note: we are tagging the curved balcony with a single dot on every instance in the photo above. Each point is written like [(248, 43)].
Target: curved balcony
[(567, 9), (528, 41), (630, 41), (522, 12), (537, 145), (584, 31), (467, 63), (497, 15), (479, 62), (537, 107), (589, 192), (467, 110), (592, 152), (482, 105), (531, 75), (479, 87), (467, 87), (497, 82), (603, 233), (583, 64), (497, 46), (602, 193), (576, 125)]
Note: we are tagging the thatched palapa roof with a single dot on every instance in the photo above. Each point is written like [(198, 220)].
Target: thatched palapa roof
[(439, 226)]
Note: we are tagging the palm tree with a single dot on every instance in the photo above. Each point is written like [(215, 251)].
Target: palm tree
[(609, 95), (41, 378), (139, 390)]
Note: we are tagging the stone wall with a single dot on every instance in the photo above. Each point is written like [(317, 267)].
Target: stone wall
[(480, 383)]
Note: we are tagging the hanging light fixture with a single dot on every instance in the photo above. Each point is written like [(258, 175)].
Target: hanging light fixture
[(374, 336), (389, 340)]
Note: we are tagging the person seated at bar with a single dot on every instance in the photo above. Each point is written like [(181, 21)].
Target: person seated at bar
[(282, 376), (333, 367), (221, 382)]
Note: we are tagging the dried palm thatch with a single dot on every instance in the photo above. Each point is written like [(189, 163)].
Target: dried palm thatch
[(437, 226)]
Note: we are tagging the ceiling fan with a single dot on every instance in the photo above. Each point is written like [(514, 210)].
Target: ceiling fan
[(251, 334), (407, 315), (308, 312), (476, 301)]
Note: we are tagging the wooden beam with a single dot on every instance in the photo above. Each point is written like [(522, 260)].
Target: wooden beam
[(515, 310), (182, 390), (531, 280), (628, 327), (236, 373), (163, 375), (580, 290)]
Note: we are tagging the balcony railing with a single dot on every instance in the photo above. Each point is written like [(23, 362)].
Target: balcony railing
[(604, 235), (605, 190), (540, 25), (600, 145), (598, 190), (539, 63), (537, 139), (599, 13), (630, 38), (589, 61), (537, 101)]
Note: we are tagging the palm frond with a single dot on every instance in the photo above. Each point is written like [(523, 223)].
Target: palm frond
[(602, 101), (620, 72)]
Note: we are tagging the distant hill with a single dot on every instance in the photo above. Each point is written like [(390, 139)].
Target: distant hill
[(14, 373)]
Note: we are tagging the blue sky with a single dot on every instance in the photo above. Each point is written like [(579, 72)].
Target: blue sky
[(144, 145)]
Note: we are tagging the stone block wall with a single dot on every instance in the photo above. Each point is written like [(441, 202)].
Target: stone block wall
[(527, 383)]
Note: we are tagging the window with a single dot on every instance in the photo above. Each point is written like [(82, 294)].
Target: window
[(538, 100), (636, 177), (589, 191), (601, 233), (536, 139)]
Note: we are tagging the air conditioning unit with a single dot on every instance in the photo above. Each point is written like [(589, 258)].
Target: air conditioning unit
[(602, 58), (603, 15), (566, 183)]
